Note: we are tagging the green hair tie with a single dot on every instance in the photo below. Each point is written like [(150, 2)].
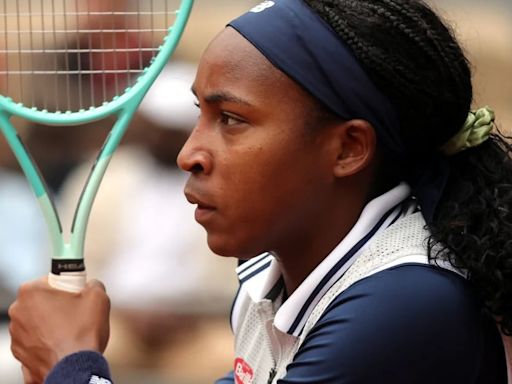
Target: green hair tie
[(476, 130)]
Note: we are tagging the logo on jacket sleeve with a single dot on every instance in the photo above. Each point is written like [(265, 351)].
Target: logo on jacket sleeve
[(243, 372), (99, 380), (261, 7)]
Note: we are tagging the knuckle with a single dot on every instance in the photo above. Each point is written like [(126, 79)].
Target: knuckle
[(23, 289), (13, 310), (103, 300), (16, 351), (12, 331), (97, 290), (98, 285)]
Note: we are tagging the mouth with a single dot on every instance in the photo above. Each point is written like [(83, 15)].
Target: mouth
[(193, 199), (203, 210)]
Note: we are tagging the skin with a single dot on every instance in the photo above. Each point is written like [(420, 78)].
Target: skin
[(48, 324), (262, 179), (265, 177)]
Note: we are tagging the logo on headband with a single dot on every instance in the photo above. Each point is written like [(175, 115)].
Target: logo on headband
[(261, 7)]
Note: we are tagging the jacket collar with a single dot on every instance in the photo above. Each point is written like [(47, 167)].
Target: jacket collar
[(261, 279)]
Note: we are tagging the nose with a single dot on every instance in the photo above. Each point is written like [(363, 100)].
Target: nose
[(195, 157)]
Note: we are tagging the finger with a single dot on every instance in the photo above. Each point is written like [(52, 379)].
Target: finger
[(91, 284), (28, 377), (38, 284), (11, 311)]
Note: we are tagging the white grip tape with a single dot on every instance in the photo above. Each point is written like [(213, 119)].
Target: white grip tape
[(68, 281)]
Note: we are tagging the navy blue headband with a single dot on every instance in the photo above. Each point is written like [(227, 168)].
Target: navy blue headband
[(302, 45), (298, 42)]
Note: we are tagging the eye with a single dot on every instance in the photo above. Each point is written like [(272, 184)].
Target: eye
[(198, 106), (229, 119)]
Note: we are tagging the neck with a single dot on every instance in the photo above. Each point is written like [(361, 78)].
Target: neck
[(318, 237)]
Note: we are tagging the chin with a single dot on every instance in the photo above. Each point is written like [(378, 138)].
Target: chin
[(231, 248)]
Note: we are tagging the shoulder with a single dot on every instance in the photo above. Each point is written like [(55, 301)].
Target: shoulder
[(402, 323), (415, 289), (422, 303), (416, 300)]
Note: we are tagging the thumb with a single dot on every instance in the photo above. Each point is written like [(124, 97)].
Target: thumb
[(95, 284)]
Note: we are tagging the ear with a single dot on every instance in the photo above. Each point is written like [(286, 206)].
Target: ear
[(355, 142)]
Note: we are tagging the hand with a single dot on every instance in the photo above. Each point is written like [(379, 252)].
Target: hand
[(48, 324), (28, 378)]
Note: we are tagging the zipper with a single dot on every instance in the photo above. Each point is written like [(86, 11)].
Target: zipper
[(272, 375)]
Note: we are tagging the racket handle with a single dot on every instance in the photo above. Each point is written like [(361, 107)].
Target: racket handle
[(68, 275), (68, 281)]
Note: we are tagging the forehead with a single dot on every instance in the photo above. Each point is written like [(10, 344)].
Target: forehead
[(233, 51), (230, 58)]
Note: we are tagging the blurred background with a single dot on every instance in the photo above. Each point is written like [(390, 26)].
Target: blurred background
[(170, 320)]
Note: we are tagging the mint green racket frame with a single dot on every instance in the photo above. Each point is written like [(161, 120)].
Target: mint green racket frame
[(122, 106)]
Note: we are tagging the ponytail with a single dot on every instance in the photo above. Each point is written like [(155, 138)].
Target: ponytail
[(472, 226)]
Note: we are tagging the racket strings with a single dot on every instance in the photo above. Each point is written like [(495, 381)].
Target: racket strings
[(71, 55)]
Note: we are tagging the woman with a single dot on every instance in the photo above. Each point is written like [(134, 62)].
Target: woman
[(335, 154)]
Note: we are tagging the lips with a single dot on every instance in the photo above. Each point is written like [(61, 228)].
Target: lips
[(204, 211), (193, 199)]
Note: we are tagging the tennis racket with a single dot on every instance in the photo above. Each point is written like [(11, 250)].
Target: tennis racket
[(72, 62)]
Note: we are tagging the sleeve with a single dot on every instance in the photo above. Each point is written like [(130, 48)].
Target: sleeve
[(85, 367), (228, 379), (410, 324)]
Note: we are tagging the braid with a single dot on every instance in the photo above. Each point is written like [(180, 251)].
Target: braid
[(450, 52), (413, 58), (398, 49), (365, 54), (400, 25)]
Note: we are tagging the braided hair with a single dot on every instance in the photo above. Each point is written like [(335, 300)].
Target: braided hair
[(415, 60)]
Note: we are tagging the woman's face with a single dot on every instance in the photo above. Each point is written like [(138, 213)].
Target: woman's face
[(259, 171)]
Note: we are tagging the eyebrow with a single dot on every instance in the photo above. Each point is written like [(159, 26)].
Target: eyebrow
[(222, 96)]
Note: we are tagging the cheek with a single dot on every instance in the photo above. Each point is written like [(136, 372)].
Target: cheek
[(247, 200), (264, 196)]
